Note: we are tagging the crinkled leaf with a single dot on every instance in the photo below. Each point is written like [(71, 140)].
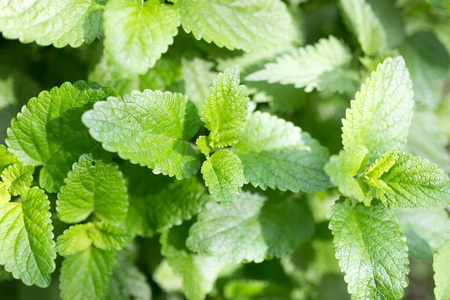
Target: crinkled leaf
[(48, 132), (86, 274), (18, 178), (425, 230), (427, 140), (128, 282), (305, 66), (238, 24), (343, 170), (137, 33), (224, 176), (158, 203), (6, 158), (380, 116), (5, 196), (405, 181), (371, 250), (57, 22), (26, 237), (203, 145), (198, 78), (366, 25), (93, 186), (441, 265), (225, 109), (277, 154), (150, 128), (248, 232), (79, 237)]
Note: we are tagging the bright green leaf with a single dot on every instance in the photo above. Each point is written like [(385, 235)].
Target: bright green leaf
[(203, 145), (48, 132), (93, 186), (86, 274), (57, 22), (149, 128), (137, 33), (277, 154), (366, 25), (224, 176), (441, 265), (18, 178), (405, 181), (343, 170), (237, 24), (6, 158), (248, 232), (26, 238), (304, 67), (225, 110), (380, 116), (371, 250)]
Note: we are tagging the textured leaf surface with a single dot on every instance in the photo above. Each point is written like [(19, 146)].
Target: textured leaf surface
[(80, 237), (158, 203), (198, 78), (18, 177), (366, 25), (304, 67), (381, 114), (237, 24), (248, 232), (149, 128), (86, 275), (57, 22), (425, 230), (137, 33), (343, 168), (225, 110), (198, 272), (26, 238), (224, 176), (405, 181), (6, 158), (128, 282), (48, 132), (441, 265), (371, 250), (276, 154), (427, 140), (93, 186)]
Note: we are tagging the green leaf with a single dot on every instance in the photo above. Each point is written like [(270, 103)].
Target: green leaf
[(425, 230), (225, 110), (5, 196), (137, 33), (224, 176), (6, 158), (158, 203), (248, 232), (198, 78), (381, 114), (344, 169), (237, 24), (18, 178), (93, 186), (80, 237), (304, 67), (198, 272), (150, 128), (48, 132), (366, 25), (371, 250), (276, 154), (203, 145), (27, 239), (427, 140), (245, 289), (86, 274), (441, 265), (52, 21), (405, 181), (428, 63)]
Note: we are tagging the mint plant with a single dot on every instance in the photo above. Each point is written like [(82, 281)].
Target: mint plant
[(211, 150)]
